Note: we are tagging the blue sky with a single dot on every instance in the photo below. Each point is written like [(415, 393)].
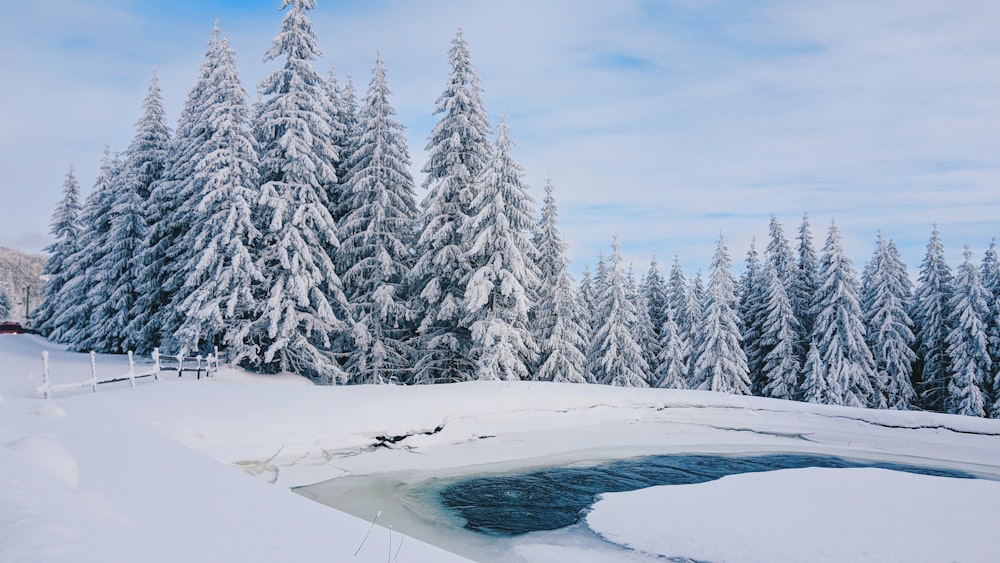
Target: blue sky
[(667, 122)]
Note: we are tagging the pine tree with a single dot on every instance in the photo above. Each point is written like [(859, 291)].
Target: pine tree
[(818, 385), (170, 213), (839, 330), (677, 293), (780, 367), (617, 358), (751, 305), (588, 299), (694, 308), (672, 369), (990, 275), (803, 288), (216, 305), (886, 293), (721, 363), (779, 254), (305, 312), (654, 289), (504, 275), (601, 275), (74, 315), (342, 120), (378, 230), (145, 168), (677, 299), (114, 298), (65, 229), (931, 316), (560, 333), (968, 348), (643, 331), (458, 152)]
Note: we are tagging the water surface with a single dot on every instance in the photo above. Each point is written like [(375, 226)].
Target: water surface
[(554, 498)]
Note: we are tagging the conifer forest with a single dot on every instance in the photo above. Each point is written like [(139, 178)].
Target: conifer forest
[(288, 233)]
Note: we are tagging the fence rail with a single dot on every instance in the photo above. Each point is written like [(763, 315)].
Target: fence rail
[(194, 364), (209, 365)]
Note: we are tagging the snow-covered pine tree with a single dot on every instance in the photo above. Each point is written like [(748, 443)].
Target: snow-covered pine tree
[(694, 308), (601, 275), (751, 305), (378, 231), (115, 296), (145, 165), (588, 299), (458, 152), (779, 254), (342, 140), (349, 111), (886, 293), (803, 289), (818, 384), (780, 367), (968, 348), (931, 316), (305, 312), (677, 299), (721, 364), (677, 293), (672, 369), (654, 289), (600, 287), (839, 330), (65, 229), (990, 276), (618, 359), (216, 304), (498, 290), (73, 310), (643, 331), (560, 334), (165, 261)]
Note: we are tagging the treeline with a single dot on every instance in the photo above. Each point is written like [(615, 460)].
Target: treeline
[(21, 286), (803, 325), (289, 234)]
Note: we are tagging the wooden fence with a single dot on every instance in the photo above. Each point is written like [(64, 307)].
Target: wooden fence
[(180, 363)]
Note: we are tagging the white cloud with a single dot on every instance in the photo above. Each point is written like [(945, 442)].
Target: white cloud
[(667, 123)]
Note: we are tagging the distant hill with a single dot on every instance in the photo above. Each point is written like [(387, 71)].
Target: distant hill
[(20, 270)]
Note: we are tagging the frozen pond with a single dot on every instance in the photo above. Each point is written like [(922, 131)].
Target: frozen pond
[(490, 514), (553, 498)]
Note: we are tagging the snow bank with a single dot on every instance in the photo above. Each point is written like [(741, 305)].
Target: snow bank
[(808, 515), (50, 457), (162, 469)]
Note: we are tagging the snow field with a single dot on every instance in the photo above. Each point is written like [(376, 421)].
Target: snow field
[(151, 486), (809, 515)]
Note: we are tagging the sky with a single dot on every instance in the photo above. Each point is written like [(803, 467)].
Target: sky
[(667, 123)]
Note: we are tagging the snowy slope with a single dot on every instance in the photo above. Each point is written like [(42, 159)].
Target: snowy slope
[(104, 477)]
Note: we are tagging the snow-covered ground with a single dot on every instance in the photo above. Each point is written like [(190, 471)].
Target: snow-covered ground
[(134, 474)]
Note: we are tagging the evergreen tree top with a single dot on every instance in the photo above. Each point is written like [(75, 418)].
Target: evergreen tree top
[(297, 39), (65, 219)]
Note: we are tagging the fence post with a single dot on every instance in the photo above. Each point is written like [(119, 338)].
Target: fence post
[(156, 364), (216, 359), (180, 362), (45, 373), (93, 371), (131, 370)]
